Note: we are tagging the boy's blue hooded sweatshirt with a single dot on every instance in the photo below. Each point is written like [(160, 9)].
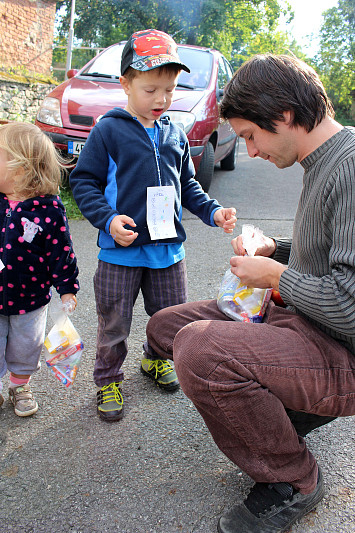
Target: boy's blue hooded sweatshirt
[(118, 163)]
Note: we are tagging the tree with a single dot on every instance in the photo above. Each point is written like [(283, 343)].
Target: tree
[(229, 25), (336, 59)]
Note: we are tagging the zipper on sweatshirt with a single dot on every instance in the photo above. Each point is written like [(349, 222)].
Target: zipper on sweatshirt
[(156, 150), (153, 145)]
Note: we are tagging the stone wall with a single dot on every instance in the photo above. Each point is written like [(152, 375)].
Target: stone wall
[(26, 34), (21, 101)]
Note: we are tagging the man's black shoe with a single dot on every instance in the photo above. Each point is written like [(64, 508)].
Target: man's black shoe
[(304, 423), (270, 508)]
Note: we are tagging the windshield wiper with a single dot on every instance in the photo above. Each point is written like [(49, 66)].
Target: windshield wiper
[(98, 75), (185, 86)]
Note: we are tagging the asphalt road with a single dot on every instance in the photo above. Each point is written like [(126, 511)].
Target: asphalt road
[(158, 469)]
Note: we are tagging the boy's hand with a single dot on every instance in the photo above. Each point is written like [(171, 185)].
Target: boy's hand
[(268, 248), (123, 236), (225, 218)]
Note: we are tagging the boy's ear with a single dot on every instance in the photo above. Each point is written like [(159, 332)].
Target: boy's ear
[(125, 84)]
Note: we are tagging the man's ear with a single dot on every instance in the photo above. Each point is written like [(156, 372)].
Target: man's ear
[(288, 117), (125, 84)]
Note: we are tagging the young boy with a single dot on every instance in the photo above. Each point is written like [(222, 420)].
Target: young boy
[(135, 170)]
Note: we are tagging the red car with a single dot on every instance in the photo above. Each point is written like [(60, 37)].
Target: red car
[(70, 111)]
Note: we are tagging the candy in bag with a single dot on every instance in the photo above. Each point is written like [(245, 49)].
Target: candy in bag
[(237, 301), (63, 348)]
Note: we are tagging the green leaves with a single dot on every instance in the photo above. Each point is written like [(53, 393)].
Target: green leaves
[(336, 59), (228, 25)]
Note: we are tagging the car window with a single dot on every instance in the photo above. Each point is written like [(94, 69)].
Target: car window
[(223, 77), (200, 64), (229, 70), (108, 63)]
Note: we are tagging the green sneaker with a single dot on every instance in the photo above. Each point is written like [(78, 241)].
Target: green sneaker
[(110, 402), (162, 371)]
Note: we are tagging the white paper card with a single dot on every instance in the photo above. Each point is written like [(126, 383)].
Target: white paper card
[(160, 212), (1, 265)]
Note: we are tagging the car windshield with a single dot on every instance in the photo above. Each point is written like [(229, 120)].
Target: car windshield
[(108, 64)]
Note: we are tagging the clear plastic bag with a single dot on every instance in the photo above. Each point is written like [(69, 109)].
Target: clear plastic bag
[(240, 302), (237, 301), (63, 347)]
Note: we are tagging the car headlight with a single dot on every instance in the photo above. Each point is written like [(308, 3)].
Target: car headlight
[(49, 112), (182, 119)]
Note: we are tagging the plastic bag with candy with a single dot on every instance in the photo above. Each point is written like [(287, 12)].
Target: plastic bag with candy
[(237, 301), (63, 347)]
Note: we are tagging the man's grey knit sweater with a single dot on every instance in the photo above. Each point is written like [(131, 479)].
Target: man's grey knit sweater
[(320, 281)]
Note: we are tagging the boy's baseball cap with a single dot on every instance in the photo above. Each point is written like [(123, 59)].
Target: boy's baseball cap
[(149, 49)]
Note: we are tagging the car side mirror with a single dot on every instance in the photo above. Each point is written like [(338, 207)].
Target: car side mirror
[(71, 73)]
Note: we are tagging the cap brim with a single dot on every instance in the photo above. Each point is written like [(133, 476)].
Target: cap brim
[(152, 62)]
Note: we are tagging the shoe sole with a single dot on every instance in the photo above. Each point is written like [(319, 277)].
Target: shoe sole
[(26, 413), (168, 387)]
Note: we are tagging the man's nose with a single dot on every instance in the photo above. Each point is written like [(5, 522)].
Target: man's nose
[(252, 150)]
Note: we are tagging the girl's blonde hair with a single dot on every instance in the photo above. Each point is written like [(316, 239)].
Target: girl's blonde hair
[(34, 163)]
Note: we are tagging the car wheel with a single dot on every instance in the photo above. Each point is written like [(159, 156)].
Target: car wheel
[(205, 170), (228, 163)]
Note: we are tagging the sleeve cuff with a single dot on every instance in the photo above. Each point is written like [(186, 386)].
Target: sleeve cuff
[(282, 252), (107, 225), (212, 222)]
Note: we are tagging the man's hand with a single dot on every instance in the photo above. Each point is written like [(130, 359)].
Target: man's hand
[(261, 272), (225, 218), (266, 250), (123, 236)]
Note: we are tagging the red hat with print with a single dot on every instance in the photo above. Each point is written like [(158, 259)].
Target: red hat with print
[(149, 49)]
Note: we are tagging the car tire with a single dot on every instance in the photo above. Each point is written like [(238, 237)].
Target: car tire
[(206, 169), (228, 163)]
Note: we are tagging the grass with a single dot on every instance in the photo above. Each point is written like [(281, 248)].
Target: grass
[(73, 212)]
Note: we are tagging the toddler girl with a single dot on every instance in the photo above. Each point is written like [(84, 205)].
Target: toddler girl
[(36, 252)]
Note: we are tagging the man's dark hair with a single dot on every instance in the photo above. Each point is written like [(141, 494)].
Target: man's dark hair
[(267, 85)]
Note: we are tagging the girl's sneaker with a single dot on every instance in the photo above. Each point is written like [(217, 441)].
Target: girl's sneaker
[(23, 400), (1, 400)]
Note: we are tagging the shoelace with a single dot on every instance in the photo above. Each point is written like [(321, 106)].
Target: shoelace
[(112, 392), (263, 496), (161, 366)]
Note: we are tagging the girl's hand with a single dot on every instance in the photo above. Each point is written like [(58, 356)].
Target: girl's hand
[(69, 302)]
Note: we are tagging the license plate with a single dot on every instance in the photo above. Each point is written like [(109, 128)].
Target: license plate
[(75, 147)]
